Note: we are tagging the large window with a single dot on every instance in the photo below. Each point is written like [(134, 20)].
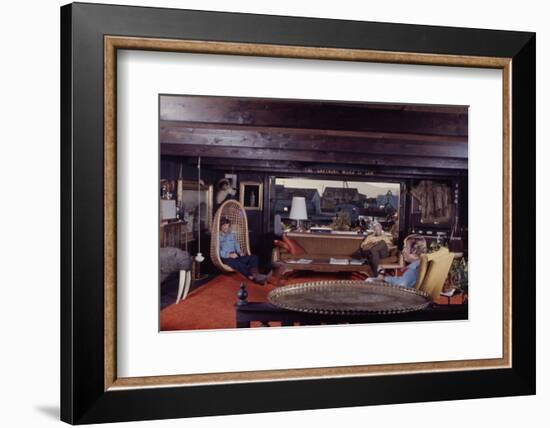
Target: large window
[(370, 201)]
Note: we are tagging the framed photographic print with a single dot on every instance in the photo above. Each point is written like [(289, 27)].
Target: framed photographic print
[(195, 205), (384, 172), (251, 195), (232, 178)]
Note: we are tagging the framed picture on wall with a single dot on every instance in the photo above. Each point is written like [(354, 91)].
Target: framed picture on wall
[(116, 363), (251, 195), (192, 196), (232, 178)]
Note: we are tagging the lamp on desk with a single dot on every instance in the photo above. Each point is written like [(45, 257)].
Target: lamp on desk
[(298, 210)]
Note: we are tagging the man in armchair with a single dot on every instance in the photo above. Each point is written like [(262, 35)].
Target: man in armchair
[(411, 253)]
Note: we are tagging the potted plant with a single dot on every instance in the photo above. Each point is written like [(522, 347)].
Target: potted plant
[(459, 275)]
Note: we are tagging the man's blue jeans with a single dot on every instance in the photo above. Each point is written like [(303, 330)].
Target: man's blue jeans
[(243, 264), (408, 279)]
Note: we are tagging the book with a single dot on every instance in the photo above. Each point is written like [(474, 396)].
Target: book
[(448, 293), (320, 229), (301, 261), (334, 261)]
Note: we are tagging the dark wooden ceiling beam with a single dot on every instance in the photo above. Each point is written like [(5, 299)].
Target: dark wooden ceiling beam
[(328, 156), (169, 125), (345, 175), (313, 114), (266, 164), (290, 139)]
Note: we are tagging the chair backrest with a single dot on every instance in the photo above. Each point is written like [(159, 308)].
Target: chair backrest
[(433, 271), (236, 214), (332, 245)]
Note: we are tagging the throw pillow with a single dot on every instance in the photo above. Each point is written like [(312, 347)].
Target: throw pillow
[(293, 247), (281, 244)]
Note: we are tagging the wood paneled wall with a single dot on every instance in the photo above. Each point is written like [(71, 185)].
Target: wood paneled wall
[(258, 138)]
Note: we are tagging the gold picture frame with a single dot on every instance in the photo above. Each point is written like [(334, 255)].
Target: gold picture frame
[(251, 195), (208, 192), (113, 43)]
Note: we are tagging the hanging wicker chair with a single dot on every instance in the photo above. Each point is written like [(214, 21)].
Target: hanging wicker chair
[(236, 214)]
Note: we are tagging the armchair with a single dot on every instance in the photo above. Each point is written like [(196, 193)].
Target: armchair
[(433, 271)]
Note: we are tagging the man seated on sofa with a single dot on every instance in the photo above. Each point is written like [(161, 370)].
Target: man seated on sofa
[(411, 255), (231, 254), (376, 246)]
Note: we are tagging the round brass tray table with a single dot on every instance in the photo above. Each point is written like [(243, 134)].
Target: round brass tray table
[(348, 298)]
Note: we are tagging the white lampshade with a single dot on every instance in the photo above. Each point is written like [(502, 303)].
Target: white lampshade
[(298, 210)]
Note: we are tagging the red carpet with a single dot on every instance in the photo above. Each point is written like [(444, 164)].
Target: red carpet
[(211, 306)]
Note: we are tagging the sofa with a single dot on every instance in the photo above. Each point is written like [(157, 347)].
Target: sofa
[(320, 248)]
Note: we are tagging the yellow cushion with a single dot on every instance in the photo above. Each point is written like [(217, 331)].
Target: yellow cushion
[(422, 269), (433, 271), (425, 262)]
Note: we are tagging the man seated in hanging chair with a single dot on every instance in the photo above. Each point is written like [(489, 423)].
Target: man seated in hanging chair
[(231, 254)]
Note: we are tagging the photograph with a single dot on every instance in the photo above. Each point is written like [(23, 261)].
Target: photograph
[(365, 217), (319, 212), (232, 180)]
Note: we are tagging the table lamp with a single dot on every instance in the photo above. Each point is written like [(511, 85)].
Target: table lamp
[(298, 210)]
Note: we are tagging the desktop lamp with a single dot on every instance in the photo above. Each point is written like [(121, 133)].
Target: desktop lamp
[(298, 211)]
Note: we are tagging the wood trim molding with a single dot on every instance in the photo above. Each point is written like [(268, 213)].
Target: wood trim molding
[(507, 213), (112, 43), (301, 52), (298, 374), (109, 197)]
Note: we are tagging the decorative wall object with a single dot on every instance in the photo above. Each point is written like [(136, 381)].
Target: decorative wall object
[(225, 190), (251, 195), (190, 208), (435, 201), (232, 178)]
